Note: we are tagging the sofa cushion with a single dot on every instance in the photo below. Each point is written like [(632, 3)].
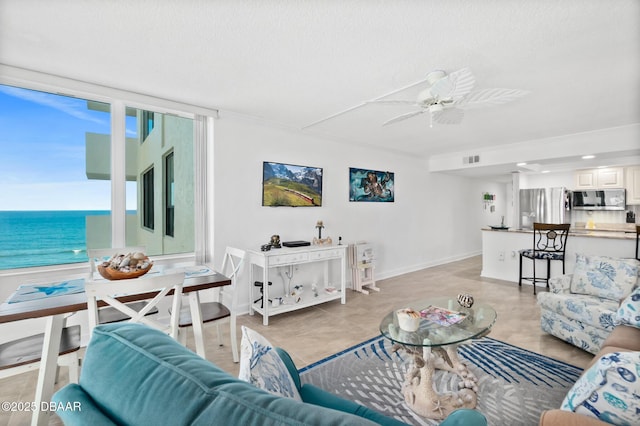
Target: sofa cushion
[(607, 390), (138, 375), (629, 311), (261, 366), (605, 277), (589, 310), (584, 336)]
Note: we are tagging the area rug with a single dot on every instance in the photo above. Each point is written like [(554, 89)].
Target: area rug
[(514, 384)]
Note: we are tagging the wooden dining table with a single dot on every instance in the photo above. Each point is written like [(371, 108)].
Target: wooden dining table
[(56, 309)]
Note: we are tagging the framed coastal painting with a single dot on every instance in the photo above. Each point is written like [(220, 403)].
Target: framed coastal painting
[(289, 185), (371, 185)]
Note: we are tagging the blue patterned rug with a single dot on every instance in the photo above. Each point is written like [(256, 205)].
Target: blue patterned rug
[(515, 385)]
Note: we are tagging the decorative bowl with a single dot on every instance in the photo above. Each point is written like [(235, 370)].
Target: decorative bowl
[(408, 319), (114, 274)]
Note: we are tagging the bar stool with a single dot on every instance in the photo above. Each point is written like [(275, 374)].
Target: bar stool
[(549, 243)]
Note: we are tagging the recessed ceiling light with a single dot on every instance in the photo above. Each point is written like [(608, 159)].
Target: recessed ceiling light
[(521, 164), (602, 167), (545, 171), (588, 157)]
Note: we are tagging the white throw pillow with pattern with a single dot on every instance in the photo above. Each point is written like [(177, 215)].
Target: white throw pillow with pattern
[(605, 277), (261, 366)]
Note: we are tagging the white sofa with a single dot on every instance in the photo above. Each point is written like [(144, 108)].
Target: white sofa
[(580, 308)]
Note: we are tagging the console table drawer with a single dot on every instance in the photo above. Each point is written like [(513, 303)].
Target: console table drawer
[(326, 254), (285, 259)]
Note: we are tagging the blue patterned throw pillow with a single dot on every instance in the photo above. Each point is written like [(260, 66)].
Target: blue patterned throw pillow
[(608, 390), (261, 366), (629, 311), (605, 277)]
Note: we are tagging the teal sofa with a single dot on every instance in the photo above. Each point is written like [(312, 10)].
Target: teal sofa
[(135, 375)]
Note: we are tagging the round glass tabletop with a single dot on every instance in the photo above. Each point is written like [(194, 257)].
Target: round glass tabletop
[(438, 321)]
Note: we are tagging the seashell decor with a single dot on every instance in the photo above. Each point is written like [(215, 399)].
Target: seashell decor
[(122, 266)]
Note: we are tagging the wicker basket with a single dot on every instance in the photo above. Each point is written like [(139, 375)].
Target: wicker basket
[(113, 274)]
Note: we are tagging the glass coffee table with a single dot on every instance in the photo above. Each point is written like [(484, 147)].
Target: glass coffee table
[(430, 331)]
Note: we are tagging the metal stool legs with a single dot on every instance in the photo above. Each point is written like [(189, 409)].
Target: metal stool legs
[(261, 298)]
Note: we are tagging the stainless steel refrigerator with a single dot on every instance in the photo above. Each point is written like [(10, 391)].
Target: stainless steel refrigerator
[(544, 205)]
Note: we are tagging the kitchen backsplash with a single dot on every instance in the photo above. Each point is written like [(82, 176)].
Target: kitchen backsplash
[(600, 216)]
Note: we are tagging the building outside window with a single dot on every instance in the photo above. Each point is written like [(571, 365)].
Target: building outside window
[(169, 187), (148, 208), (147, 124)]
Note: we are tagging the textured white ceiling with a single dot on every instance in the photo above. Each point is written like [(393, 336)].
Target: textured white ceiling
[(296, 62)]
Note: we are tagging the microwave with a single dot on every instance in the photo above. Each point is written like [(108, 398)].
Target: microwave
[(599, 199)]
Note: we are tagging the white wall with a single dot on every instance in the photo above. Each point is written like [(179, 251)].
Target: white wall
[(547, 180), (436, 218)]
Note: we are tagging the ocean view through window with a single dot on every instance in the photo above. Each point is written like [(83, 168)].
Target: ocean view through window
[(57, 178), (41, 237)]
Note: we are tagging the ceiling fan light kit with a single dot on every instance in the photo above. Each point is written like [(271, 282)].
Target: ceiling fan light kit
[(434, 76)]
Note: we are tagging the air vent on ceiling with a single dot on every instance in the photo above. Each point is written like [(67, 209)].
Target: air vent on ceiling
[(471, 159)]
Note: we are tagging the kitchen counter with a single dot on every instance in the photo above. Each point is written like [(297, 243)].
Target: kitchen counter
[(581, 232), (500, 250)]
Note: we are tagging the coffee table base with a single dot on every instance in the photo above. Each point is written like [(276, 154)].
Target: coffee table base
[(419, 391)]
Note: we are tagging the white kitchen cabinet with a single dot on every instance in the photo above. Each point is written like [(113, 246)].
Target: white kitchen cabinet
[(586, 179), (610, 177), (632, 181)]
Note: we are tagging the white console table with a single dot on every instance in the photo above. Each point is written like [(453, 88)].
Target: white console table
[(284, 257)]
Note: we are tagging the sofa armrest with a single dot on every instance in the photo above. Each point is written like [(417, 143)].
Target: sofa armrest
[(75, 407), (560, 284), (568, 418)]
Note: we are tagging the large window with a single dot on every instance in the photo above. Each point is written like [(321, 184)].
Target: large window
[(48, 201), (61, 168)]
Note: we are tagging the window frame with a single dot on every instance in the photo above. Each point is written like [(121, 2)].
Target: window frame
[(147, 208), (148, 123), (169, 194), (119, 100)]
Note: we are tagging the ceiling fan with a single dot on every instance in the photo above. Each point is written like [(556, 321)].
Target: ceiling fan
[(447, 96)]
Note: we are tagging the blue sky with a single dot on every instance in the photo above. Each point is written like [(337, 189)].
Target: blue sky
[(42, 152)]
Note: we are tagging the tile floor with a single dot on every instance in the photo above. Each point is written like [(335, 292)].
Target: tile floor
[(314, 333)]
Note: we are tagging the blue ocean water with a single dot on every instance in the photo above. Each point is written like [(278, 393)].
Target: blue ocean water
[(38, 238)]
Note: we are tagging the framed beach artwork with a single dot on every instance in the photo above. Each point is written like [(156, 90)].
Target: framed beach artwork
[(289, 185), (371, 185)]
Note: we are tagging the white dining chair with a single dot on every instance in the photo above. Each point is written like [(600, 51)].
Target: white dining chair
[(109, 291), (24, 354), (217, 311), (109, 314)]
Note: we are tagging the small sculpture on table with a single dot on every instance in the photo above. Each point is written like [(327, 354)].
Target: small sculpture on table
[(320, 240)]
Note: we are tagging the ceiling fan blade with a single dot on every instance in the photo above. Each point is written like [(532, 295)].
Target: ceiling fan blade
[(448, 116), (403, 117), (488, 97), (394, 102), (455, 86)]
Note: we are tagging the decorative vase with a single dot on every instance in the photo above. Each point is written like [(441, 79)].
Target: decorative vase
[(408, 319)]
